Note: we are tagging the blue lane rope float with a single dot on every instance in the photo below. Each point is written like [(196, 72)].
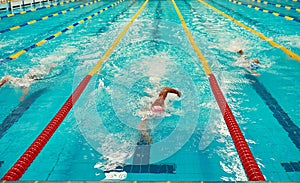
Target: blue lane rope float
[(266, 11), (40, 43), (277, 5), (49, 16), (35, 9)]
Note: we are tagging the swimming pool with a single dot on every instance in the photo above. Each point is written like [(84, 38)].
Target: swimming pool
[(190, 140)]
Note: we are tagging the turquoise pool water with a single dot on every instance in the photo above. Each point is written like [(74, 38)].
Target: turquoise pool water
[(191, 137)]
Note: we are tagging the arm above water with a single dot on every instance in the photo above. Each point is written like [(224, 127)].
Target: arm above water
[(4, 80), (167, 90)]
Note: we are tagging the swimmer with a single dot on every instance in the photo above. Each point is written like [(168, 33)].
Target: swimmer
[(251, 65), (29, 78), (159, 104)]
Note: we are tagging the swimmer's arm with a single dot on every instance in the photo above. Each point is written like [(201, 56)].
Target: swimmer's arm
[(143, 130), (3, 81), (167, 90), (252, 72), (255, 73), (50, 68), (25, 92)]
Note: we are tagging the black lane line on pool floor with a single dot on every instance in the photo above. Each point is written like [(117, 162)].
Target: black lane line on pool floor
[(18, 112), (291, 166), (282, 117), (115, 18), (141, 157), (158, 18)]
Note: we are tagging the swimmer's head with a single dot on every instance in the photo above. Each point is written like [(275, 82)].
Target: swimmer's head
[(157, 109), (256, 61), (240, 52)]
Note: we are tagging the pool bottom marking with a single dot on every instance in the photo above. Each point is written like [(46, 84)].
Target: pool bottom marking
[(40, 43), (141, 160), (18, 112), (115, 18), (282, 117), (291, 166)]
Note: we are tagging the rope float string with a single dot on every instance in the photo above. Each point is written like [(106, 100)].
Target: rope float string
[(250, 165), (257, 8), (277, 5), (19, 168), (251, 168)]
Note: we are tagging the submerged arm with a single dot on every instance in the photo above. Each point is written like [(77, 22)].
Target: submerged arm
[(25, 92)]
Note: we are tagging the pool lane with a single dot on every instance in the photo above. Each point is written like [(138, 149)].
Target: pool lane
[(249, 163), (282, 117)]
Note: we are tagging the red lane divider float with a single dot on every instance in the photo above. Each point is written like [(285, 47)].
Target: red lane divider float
[(32, 152), (251, 168)]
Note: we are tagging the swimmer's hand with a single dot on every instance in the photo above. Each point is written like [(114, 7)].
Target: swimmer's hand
[(21, 99), (179, 94)]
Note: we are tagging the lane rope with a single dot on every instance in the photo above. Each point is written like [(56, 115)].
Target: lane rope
[(277, 5), (250, 166), (19, 168), (257, 8), (48, 16), (42, 42), (260, 35), (35, 9)]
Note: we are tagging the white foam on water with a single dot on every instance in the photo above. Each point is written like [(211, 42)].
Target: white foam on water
[(293, 40)]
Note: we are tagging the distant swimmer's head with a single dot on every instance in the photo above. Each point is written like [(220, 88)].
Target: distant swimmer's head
[(256, 61), (240, 52), (157, 109)]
